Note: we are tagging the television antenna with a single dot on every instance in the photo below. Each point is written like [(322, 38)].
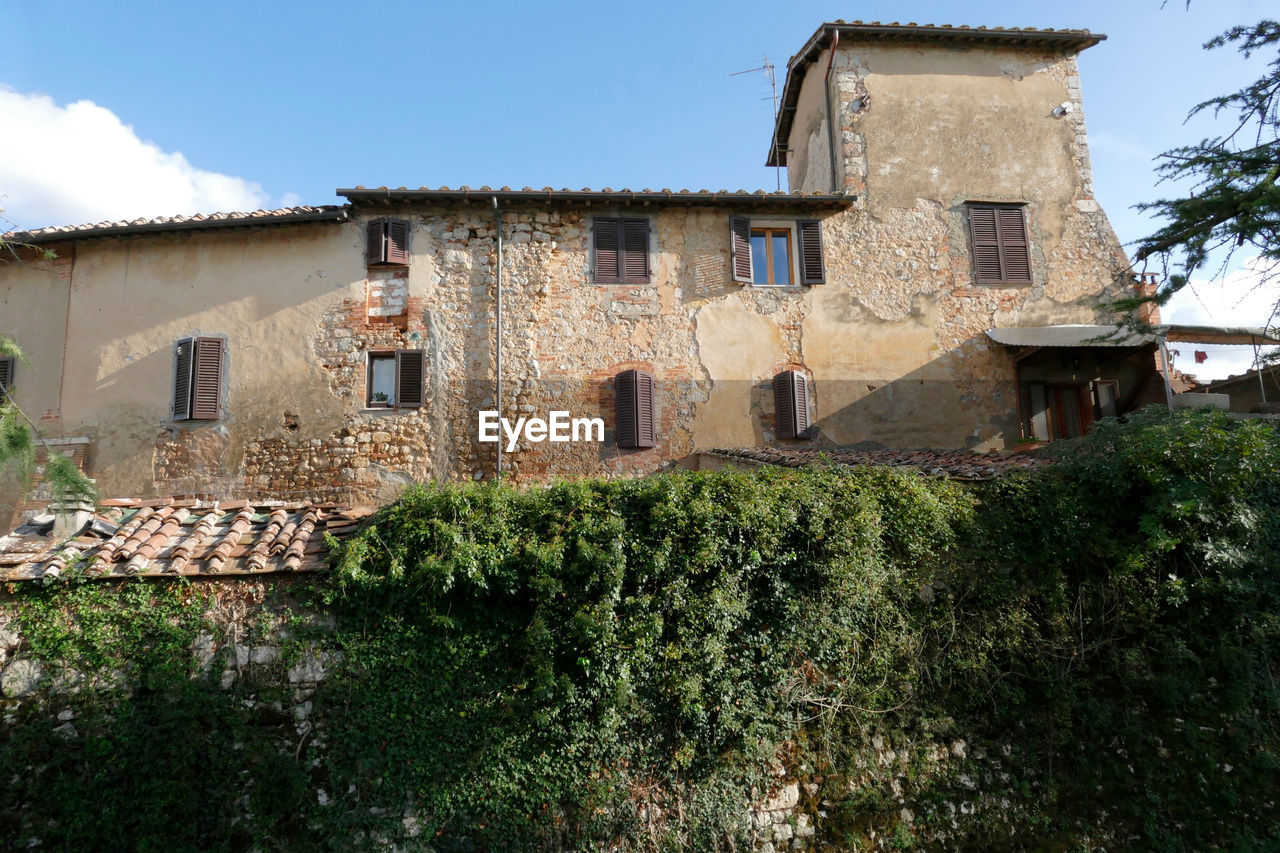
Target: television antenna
[(767, 67)]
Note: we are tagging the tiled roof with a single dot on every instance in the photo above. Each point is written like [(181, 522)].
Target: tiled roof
[(864, 31), (626, 195), (127, 537), (199, 221), (952, 464)]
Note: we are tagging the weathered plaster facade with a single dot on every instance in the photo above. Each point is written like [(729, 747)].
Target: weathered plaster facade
[(893, 341)]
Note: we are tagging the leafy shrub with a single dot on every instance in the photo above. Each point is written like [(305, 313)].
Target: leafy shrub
[(1084, 657)]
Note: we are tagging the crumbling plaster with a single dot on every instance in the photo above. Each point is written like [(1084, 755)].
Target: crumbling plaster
[(893, 341)]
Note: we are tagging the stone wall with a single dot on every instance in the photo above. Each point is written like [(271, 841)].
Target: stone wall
[(894, 341)]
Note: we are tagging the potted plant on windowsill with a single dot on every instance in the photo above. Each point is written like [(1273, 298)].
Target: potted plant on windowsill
[(380, 400)]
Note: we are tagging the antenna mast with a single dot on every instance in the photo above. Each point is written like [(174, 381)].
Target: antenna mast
[(767, 67)]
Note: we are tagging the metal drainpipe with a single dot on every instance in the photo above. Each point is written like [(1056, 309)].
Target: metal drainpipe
[(1167, 372), (1258, 365), (831, 131), (497, 356)]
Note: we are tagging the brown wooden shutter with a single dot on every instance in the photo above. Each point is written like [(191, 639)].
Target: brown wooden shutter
[(635, 251), (410, 378), (634, 398), (1015, 256), (206, 380), (607, 236), (183, 356), (1001, 251), (812, 269), (375, 245), (397, 241), (7, 364), (740, 248), (791, 404), (387, 242), (985, 237)]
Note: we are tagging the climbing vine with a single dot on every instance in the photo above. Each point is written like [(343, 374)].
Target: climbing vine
[(1077, 658)]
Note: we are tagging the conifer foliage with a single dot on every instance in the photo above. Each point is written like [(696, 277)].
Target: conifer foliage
[(1233, 200)]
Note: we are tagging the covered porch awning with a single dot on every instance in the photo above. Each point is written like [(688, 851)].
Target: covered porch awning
[(1031, 339), (1115, 336)]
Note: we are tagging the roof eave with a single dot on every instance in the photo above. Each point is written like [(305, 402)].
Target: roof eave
[(339, 214), (724, 198)]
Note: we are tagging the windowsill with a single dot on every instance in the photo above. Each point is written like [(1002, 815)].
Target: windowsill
[(787, 288)]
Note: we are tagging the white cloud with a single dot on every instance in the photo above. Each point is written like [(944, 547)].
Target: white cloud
[(1240, 298), (79, 163)]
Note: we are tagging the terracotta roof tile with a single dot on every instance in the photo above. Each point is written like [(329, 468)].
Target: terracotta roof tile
[(152, 538), (198, 221), (362, 194), (952, 464)]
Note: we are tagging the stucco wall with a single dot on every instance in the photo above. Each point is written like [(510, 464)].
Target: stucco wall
[(33, 308), (920, 131)]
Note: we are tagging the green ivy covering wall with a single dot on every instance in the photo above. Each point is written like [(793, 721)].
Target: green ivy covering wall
[(1082, 658)]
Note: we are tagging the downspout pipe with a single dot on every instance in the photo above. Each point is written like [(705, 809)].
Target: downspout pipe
[(831, 130), (1167, 373), (497, 355)]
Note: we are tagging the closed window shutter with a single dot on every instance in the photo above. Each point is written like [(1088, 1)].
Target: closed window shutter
[(634, 398), (812, 270), (375, 246), (410, 378), (1001, 251), (645, 431), (183, 354), (1015, 256), (740, 247), (206, 382), (986, 244), (635, 251), (607, 235), (7, 363), (397, 241), (791, 404)]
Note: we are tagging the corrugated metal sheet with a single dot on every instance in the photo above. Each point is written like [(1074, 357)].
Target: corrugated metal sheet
[(1217, 334), (1113, 336), (1068, 336)]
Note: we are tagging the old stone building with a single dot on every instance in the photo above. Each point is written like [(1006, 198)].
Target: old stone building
[(939, 187)]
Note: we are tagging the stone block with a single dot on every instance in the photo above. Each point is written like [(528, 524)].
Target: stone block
[(21, 678)]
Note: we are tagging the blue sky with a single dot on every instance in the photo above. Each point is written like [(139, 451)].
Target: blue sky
[(149, 108)]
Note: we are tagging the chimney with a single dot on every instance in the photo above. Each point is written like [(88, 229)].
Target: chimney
[(1145, 284), (70, 517)]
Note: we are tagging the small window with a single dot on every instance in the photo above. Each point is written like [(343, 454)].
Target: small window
[(998, 239), (395, 379), (791, 404), (633, 390), (197, 379), (387, 242), (7, 364), (620, 249), (765, 252), (770, 255)]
